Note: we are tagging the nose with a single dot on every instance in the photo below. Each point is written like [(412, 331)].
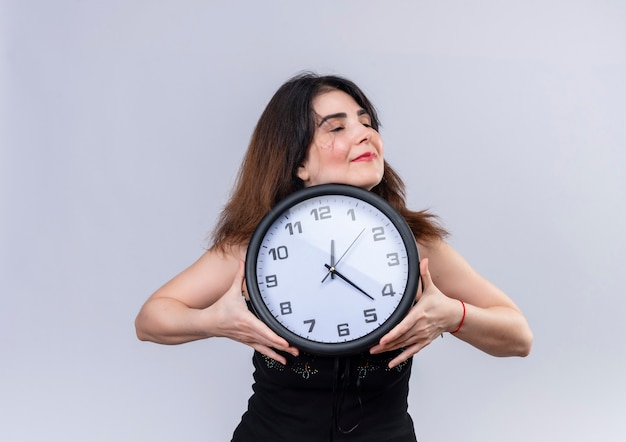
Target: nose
[(362, 133)]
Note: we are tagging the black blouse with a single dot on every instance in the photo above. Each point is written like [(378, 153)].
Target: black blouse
[(316, 399)]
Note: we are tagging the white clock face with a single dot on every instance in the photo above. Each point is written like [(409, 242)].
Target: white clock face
[(332, 269)]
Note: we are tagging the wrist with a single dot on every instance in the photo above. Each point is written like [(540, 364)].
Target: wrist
[(204, 323), (462, 320)]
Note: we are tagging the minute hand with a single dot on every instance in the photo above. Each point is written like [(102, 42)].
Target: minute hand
[(335, 272)]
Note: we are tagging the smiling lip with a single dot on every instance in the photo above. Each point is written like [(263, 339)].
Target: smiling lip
[(367, 156)]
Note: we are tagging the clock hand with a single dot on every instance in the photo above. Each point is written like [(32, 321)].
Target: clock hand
[(332, 257), (332, 261), (350, 246), (332, 271), (335, 272)]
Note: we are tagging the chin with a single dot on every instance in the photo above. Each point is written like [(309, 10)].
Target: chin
[(369, 184), (365, 182)]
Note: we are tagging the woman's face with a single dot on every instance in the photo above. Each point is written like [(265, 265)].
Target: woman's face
[(345, 149)]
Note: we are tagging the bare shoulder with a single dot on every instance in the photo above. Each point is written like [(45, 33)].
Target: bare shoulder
[(456, 278), (207, 279), (442, 258)]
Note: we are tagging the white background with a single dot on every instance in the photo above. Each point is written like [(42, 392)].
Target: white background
[(122, 125)]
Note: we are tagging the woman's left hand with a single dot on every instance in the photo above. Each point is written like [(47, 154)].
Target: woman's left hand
[(427, 320)]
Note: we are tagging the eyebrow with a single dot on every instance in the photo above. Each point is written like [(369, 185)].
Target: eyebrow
[(359, 113)]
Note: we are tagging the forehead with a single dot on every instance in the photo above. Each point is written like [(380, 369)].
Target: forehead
[(334, 101)]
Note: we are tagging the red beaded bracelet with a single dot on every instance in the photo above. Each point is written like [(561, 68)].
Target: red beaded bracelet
[(462, 319)]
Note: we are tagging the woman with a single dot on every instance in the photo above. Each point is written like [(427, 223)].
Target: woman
[(315, 130)]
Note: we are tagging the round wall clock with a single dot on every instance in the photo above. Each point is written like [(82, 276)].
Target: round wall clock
[(332, 268)]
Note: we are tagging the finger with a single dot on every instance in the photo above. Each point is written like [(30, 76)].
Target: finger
[(425, 274), (272, 339), (401, 335), (270, 353), (405, 355), (390, 345), (265, 340), (397, 333), (382, 348), (277, 342), (408, 332), (239, 283), (260, 334), (425, 277), (244, 287)]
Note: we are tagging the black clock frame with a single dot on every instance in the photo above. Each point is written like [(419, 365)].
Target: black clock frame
[(362, 343)]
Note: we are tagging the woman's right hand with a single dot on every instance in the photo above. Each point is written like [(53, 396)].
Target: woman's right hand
[(204, 301), (233, 320)]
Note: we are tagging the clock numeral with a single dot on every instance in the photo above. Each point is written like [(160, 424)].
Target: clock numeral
[(379, 233), (393, 259), (370, 315), (271, 281), (388, 290), (343, 330), (285, 308), (279, 253), (321, 213), (351, 214), (311, 322), (293, 227)]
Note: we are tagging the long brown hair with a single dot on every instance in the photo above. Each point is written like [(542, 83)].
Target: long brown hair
[(279, 145)]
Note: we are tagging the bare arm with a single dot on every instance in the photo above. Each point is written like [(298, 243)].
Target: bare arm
[(205, 301), (492, 323)]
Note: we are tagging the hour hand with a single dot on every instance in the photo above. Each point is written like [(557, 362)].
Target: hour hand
[(333, 270)]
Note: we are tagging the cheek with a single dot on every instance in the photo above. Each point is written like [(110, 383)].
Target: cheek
[(335, 158), (378, 143), (324, 158), (324, 142)]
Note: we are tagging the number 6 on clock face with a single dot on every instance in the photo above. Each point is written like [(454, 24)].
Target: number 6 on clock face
[(332, 268)]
